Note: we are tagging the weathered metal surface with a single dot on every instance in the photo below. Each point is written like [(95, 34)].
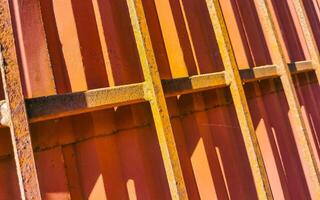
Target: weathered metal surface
[(154, 93), (52, 107), (309, 37), (94, 151), (300, 67), (258, 73), (239, 99), (19, 127), (57, 106), (194, 84), (300, 132), (45, 108)]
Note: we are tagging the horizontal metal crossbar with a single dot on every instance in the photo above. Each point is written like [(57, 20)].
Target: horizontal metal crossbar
[(301, 66), (258, 73), (63, 105), (50, 107), (193, 84)]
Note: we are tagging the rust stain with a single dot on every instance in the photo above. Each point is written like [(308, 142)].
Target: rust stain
[(303, 141), (154, 93), (240, 102), (309, 37), (189, 102), (19, 127)]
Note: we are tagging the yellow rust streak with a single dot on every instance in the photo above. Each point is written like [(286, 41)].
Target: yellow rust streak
[(240, 102), (154, 93), (307, 32), (300, 132)]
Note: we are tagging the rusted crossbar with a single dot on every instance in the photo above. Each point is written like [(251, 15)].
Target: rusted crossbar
[(258, 73), (51, 107), (301, 66), (193, 84), (63, 105)]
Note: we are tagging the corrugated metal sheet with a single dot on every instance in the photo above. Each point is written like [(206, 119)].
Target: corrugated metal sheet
[(123, 147)]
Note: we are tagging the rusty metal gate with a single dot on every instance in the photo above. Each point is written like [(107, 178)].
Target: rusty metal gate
[(160, 99)]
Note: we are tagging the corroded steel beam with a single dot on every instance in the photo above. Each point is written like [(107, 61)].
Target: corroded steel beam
[(271, 71), (193, 84), (56, 106), (300, 67), (258, 73), (19, 126), (306, 154), (308, 35), (50, 107), (155, 95), (63, 105), (241, 106)]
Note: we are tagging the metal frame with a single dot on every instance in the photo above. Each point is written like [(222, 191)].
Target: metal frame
[(16, 109), (64, 105), (154, 94), (307, 32), (254, 154), (307, 157)]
